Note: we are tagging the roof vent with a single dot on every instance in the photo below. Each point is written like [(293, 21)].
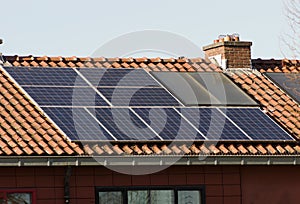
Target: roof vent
[(1, 41)]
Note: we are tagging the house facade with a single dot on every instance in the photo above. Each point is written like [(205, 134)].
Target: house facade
[(39, 163)]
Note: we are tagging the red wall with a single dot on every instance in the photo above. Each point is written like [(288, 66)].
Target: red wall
[(266, 184), (224, 184)]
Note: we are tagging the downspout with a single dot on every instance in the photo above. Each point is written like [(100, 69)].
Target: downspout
[(67, 184)]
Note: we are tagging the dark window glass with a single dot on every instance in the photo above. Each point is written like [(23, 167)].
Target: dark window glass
[(175, 195), (151, 197), (17, 197), (190, 197), (112, 197)]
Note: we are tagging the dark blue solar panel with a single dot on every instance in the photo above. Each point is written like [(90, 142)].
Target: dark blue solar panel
[(46, 76), (118, 77), (77, 124), (168, 124), (65, 96), (213, 124), (256, 124), (139, 96), (123, 124)]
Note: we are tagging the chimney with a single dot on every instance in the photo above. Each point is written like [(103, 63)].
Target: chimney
[(229, 52)]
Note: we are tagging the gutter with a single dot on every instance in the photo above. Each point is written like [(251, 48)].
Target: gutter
[(12, 161)]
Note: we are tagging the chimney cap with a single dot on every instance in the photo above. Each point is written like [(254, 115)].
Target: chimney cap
[(228, 44)]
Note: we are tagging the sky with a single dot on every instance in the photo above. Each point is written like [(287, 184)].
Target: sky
[(79, 28)]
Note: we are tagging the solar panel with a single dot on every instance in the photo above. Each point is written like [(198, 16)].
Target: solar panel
[(195, 89), (185, 88), (139, 96), (256, 124), (26, 76), (227, 92), (118, 77), (65, 96), (123, 124), (290, 82), (213, 124), (168, 124), (77, 124)]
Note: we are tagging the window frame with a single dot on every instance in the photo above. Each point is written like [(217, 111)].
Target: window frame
[(125, 189), (6, 191)]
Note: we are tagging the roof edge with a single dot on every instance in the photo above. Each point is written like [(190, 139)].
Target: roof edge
[(148, 161)]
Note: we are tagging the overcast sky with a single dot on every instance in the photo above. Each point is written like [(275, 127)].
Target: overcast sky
[(73, 27)]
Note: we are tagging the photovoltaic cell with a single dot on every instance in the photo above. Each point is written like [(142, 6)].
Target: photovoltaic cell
[(123, 124), (65, 96), (256, 124), (138, 96), (168, 124), (77, 124), (213, 124), (26, 76), (118, 77)]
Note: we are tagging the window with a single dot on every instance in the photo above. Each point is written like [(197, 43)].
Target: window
[(150, 195), (17, 196)]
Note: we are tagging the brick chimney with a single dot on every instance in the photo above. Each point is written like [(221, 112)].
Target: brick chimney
[(229, 52)]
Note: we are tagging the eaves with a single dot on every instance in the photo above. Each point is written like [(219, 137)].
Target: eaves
[(269, 160)]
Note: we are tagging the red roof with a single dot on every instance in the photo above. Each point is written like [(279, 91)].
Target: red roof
[(25, 131)]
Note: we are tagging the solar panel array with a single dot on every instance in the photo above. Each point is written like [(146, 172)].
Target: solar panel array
[(91, 87), (129, 105)]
